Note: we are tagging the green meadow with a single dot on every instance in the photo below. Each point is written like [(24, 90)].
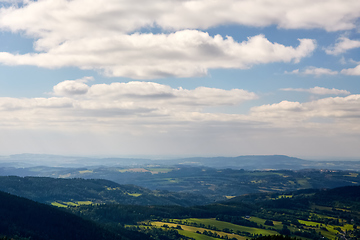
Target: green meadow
[(71, 204)]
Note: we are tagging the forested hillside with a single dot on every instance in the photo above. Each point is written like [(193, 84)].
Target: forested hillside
[(60, 191), (23, 218), (302, 214)]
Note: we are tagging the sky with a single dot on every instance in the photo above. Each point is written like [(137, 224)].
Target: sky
[(180, 77)]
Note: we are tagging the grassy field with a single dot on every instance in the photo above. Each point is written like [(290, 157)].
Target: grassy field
[(192, 227), (234, 227), (56, 204), (330, 231), (86, 171), (191, 231), (70, 204), (304, 183), (134, 194), (195, 235), (229, 197), (352, 175)]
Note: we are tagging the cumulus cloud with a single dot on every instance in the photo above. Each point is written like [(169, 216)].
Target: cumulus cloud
[(78, 102), (72, 87), (150, 113), (318, 71), (100, 35), (182, 54), (343, 44), (150, 94), (11, 104), (104, 16), (352, 71), (344, 111), (146, 105), (319, 91), (313, 71)]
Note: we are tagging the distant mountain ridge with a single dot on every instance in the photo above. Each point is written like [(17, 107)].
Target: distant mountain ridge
[(247, 162), (250, 162)]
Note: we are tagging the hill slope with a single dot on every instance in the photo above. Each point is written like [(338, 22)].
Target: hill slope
[(50, 190), (20, 217)]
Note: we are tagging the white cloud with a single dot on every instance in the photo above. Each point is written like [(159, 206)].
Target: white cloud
[(150, 94), (120, 117), (49, 18), (72, 87), (319, 91), (313, 71), (182, 54), (296, 71), (102, 104), (352, 71), (318, 71), (13, 104), (100, 34), (344, 113), (140, 106), (343, 44)]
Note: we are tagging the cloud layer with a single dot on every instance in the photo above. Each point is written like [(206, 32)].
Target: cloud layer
[(103, 16), (185, 53), (75, 102), (313, 71), (138, 105), (105, 35), (335, 114), (318, 91), (342, 45), (146, 117)]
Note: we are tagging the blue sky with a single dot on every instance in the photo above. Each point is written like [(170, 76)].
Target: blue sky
[(180, 78)]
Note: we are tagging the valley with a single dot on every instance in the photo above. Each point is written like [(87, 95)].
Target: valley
[(192, 202)]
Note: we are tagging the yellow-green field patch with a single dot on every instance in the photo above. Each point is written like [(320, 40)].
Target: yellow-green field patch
[(221, 225), (309, 223), (84, 202), (56, 204), (229, 197), (330, 231), (86, 171), (71, 204), (194, 229), (352, 175), (195, 235), (134, 194)]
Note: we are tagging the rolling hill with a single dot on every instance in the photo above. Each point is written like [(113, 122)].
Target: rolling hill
[(60, 191), (22, 218)]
